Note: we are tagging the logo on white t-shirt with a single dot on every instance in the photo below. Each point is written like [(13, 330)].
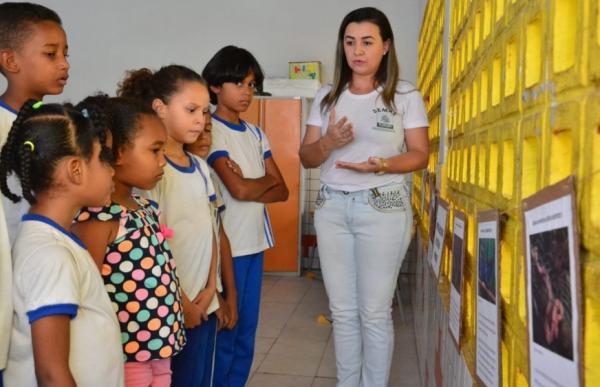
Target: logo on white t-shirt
[(384, 119)]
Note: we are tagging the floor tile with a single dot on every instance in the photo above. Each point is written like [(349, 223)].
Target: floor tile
[(257, 361), (287, 290), (327, 366), (312, 332), (298, 346), (291, 364), (263, 345), (271, 380), (294, 349), (324, 382), (273, 317)]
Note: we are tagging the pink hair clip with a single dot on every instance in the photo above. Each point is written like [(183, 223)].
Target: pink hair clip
[(167, 232)]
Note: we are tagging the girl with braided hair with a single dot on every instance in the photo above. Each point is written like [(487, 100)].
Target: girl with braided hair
[(64, 326), (130, 246)]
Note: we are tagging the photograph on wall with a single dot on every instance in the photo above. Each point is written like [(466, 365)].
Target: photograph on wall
[(458, 254), (552, 307), (487, 270), (553, 285), (488, 321), (431, 229), (424, 183), (441, 219)]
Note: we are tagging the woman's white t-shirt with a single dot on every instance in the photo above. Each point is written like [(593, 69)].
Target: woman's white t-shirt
[(378, 131)]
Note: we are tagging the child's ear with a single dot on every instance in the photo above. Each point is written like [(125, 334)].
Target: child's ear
[(118, 159), (8, 62), (159, 107), (216, 89), (74, 169)]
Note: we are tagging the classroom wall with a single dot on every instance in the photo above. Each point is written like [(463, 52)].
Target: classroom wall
[(522, 115), (108, 37)]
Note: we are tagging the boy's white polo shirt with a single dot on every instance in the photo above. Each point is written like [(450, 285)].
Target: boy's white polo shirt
[(55, 275), (246, 223), (184, 196)]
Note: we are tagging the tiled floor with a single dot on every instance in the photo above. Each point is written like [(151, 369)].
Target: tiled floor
[(294, 350)]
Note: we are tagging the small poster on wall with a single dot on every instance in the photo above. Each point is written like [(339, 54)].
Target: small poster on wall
[(305, 70), (424, 182), (431, 229), (440, 233), (458, 253), (553, 286), (487, 355)]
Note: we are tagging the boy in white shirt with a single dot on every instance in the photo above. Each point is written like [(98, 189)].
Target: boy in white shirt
[(233, 75), (33, 60)]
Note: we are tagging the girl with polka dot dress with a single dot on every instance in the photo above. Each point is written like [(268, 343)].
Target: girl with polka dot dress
[(179, 96), (130, 246)]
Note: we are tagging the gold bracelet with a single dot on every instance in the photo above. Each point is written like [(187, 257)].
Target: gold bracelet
[(383, 168)]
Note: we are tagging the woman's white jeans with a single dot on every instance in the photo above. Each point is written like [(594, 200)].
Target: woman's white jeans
[(361, 249)]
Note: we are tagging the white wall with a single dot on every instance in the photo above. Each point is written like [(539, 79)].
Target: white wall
[(108, 37)]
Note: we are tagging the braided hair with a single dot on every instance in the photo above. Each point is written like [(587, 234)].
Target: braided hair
[(119, 114), (39, 138)]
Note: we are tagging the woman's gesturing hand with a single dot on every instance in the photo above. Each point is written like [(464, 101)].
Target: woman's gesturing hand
[(372, 165), (338, 133)]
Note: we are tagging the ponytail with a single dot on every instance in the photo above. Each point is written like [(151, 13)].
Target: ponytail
[(39, 138), (12, 151)]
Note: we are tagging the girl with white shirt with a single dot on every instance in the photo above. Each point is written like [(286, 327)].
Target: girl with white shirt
[(64, 327)]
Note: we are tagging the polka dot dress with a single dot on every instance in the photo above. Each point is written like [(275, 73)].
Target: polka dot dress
[(140, 278)]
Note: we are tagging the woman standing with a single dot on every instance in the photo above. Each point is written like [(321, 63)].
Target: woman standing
[(367, 131)]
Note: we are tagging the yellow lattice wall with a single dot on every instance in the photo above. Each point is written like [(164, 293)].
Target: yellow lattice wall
[(523, 112)]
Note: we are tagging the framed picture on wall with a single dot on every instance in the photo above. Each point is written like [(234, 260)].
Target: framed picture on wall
[(488, 320), (553, 286), (441, 219), (456, 280)]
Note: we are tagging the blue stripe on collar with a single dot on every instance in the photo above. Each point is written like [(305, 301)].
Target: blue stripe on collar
[(240, 128), (181, 168), (50, 222), (7, 107)]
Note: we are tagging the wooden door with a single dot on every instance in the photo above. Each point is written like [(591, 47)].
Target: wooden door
[(281, 119)]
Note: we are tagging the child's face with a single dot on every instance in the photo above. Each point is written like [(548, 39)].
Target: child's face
[(185, 114), (202, 145), (236, 96), (140, 164), (98, 184), (40, 64), (364, 47)]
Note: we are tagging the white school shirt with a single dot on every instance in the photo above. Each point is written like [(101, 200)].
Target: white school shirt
[(7, 116), (6, 305), (246, 223), (55, 275), (184, 196), (218, 208), (378, 132)]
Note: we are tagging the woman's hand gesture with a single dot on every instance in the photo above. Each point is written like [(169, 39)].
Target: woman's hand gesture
[(372, 165), (338, 133)]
